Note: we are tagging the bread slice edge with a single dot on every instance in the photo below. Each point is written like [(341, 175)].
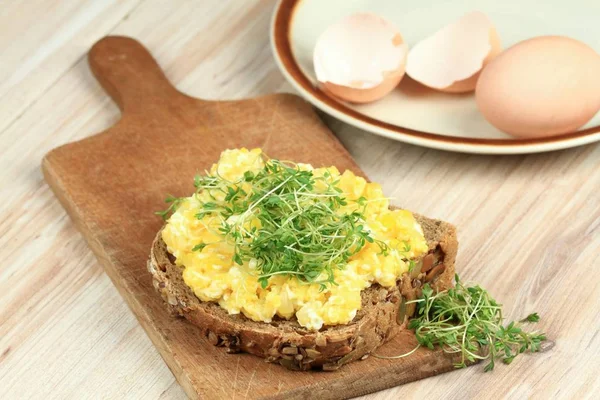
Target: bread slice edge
[(285, 341)]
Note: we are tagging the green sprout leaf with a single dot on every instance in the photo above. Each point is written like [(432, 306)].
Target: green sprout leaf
[(288, 220), (174, 203), (467, 321), (199, 247), (534, 317)]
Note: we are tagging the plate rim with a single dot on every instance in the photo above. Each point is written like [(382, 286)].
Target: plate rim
[(281, 23)]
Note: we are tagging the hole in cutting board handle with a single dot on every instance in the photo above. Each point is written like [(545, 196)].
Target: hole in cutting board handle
[(129, 73)]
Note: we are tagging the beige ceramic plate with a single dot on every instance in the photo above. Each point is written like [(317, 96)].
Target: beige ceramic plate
[(412, 113)]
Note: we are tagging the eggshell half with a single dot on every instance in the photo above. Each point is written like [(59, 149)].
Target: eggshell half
[(540, 87), (360, 59), (451, 59)]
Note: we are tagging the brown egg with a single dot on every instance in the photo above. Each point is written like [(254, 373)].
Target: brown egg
[(540, 87)]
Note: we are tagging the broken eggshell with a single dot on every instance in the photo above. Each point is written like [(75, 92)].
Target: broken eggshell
[(360, 58), (451, 59)]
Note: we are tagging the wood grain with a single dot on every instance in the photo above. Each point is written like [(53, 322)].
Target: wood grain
[(528, 225), (163, 137), (42, 39)]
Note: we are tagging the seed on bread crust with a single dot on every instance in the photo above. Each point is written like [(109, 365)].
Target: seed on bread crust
[(408, 291), (435, 272), (427, 263), (290, 350), (342, 351), (336, 339), (312, 353), (321, 340), (213, 338), (303, 351), (171, 299), (401, 311)]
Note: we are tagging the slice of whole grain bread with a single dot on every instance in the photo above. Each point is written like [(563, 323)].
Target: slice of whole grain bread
[(285, 341)]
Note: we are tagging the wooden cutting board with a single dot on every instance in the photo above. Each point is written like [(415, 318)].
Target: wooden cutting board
[(112, 183)]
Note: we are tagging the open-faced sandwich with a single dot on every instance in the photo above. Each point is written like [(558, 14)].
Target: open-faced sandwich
[(307, 267), (311, 268)]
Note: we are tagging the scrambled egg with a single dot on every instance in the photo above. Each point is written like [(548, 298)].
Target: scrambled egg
[(213, 276)]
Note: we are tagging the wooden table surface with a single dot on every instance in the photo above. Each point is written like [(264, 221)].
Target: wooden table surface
[(529, 226)]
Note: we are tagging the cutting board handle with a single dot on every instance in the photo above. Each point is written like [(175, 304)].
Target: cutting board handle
[(129, 73)]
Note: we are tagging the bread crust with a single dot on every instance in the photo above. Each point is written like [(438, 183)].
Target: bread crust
[(288, 343)]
